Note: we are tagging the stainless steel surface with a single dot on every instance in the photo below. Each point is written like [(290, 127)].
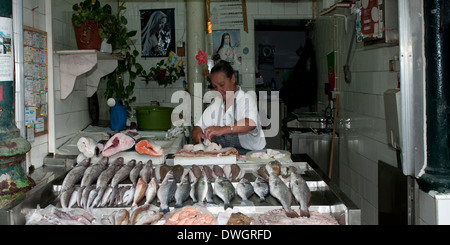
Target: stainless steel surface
[(318, 147)]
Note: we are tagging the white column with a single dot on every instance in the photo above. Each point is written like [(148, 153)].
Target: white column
[(195, 37)]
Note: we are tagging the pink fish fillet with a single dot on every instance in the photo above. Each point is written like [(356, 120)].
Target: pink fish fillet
[(118, 143)]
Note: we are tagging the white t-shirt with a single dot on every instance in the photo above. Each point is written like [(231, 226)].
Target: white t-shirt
[(246, 107)]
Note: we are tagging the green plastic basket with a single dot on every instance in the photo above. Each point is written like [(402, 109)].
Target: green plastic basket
[(154, 118)]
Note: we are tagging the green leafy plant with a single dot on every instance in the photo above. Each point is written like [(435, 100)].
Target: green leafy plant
[(92, 10), (120, 39), (162, 73)]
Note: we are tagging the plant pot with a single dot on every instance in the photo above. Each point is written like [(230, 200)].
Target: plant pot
[(87, 35)]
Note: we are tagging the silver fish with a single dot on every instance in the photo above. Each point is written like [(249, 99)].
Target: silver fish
[(202, 190), (134, 173), (244, 189), (281, 192), (73, 198), (85, 195), (65, 197), (261, 188), (301, 192), (151, 191), (224, 189), (183, 191), (75, 175), (147, 171), (128, 196), (92, 173), (91, 198), (121, 174), (106, 196), (106, 176), (166, 192), (139, 193)]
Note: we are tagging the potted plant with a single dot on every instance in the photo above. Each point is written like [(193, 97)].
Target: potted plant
[(89, 20), (162, 73), (120, 83)]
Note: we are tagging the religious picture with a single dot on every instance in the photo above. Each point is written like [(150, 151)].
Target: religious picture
[(227, 44), (157, 32)]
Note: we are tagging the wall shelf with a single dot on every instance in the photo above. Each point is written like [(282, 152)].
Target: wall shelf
[(74, 63)]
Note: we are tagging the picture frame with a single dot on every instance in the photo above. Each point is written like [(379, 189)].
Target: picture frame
[(234, 52), (157, 32)]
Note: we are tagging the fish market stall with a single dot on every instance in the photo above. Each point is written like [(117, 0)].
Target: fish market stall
[(174, 193)]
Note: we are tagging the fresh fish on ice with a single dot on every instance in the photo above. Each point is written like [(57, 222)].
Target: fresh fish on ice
[(121, 174), (166, 192), (147, 171), (128, 196), (244, 189), (117, 143), (261, 188), (152, 189), (301, 192), (224, 189), (281, 192), (85, 195), (139, 193), (183, 191), (91, 174), (91, 198), (122, 217), (65, 197), (134, 173), (201, 190), (75, 175), (106, 196), (86, 145)]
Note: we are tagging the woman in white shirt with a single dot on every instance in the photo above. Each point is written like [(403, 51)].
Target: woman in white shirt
[(232, 121)]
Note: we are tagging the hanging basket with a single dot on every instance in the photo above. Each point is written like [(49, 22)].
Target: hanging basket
[(87, 35)]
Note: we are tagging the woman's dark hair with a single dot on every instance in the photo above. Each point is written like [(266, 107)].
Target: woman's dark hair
[(225, 67)]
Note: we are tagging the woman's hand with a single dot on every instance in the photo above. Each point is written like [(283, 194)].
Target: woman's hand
[(215, 131), (197, 134)]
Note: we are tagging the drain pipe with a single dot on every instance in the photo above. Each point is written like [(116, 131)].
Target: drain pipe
[(437, 37)]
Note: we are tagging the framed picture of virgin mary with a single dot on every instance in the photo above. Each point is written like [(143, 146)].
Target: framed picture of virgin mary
[(157, 32)]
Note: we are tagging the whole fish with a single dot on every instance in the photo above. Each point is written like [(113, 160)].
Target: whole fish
[(106, 196), (91, 198), (136, 212), (122, 217), (151, 191), (106, 176), (244, 189), (301, 192), (224, 189), (85, 195), (75, 175), (139, 193), (128, 196), (134, 173), (86, 145), (73, 198), (121, 174), (183, 191), (166, 192), (201, 190), (65, 197), (117, 143), (92, 173), (261, 188), (147, 171), (281, 192)]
